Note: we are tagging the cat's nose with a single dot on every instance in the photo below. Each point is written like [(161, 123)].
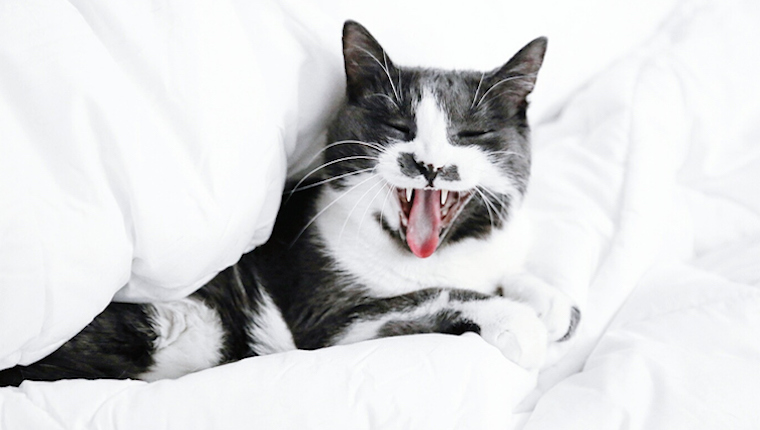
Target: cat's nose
[(429, 172), (413, 168)]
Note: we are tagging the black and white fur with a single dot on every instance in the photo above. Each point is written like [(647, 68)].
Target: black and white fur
[(410, 225)]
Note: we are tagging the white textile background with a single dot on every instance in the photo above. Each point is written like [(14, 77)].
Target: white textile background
[(143, 147)]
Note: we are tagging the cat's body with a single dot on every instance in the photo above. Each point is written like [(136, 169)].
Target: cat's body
[(409, 226)]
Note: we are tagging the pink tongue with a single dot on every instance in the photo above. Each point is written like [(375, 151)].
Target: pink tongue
[(424, 223)]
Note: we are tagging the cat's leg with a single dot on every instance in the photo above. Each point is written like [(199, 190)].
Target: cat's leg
[(559, 312), (131, 341), (118, 343), (228, 319), (511, 326)]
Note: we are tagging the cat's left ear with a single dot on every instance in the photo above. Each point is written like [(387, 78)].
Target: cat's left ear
[(365, 60), (519, 73)]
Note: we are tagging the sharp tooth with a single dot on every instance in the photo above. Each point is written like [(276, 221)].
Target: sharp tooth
[(444, 196), (408, 194)]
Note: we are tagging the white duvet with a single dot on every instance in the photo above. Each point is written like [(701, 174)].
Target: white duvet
[(143, 147)]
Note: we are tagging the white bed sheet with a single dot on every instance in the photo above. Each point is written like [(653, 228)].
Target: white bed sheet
[(414, 382), (662, 152), (643, 198)]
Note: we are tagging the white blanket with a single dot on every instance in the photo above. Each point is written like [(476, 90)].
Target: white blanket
[(143, 148)]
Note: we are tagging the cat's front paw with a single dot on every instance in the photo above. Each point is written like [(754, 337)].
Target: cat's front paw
[(512, 327), (560, 315), (557, 311)]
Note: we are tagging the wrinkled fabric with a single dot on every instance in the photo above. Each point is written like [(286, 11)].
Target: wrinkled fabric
[(144, 148)]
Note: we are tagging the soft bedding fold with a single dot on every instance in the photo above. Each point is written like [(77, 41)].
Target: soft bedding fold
[(144, 148), (428, 381)]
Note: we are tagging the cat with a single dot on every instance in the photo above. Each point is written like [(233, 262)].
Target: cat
[(409, 225)]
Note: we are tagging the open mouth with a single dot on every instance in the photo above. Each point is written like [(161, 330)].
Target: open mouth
[(426, 214)]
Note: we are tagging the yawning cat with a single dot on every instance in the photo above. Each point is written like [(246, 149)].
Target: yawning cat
[(410, 224)]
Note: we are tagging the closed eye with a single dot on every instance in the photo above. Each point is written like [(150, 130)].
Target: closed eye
[(400, 127), (464, 134)]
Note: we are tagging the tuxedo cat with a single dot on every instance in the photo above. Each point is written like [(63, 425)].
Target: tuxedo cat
[(409, 225)]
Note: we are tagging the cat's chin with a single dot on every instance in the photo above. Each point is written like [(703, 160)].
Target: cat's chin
[(426, 216)]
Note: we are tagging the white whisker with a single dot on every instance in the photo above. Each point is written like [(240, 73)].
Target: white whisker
[(387, 72), (372, 145), (385, 69), (482, 75), (399, 82), (334, 178), (382, 209), (351, 212), (501, 201), (364, 215), (328, 206), (511, 78), (386, 96), (486, 203), (329, 163)]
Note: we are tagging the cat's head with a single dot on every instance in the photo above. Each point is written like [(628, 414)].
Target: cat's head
[(432, 156)]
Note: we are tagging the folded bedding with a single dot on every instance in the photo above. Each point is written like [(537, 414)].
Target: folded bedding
[(437, 381), (144, 147)]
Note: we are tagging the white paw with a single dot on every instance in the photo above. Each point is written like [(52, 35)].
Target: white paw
[(512, 327), (558, 312)]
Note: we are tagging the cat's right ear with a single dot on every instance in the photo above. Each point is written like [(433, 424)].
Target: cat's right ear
[(519, 73), (365, 60)]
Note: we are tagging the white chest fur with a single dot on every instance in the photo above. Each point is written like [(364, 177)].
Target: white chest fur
[(362, 249)]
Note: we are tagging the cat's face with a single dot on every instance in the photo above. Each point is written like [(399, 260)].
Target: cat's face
[(432, 156)]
